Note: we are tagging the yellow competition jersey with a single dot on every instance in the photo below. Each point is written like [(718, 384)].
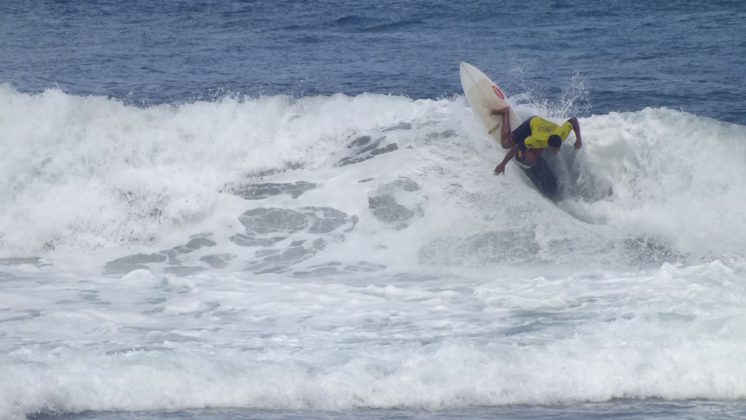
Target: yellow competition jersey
[(542, 129)]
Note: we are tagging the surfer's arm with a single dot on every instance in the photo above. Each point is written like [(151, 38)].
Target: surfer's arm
[(576, 128), (505, 126), (500, 168)]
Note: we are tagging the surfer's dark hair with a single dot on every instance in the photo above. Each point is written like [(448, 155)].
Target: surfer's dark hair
[(555, 141)]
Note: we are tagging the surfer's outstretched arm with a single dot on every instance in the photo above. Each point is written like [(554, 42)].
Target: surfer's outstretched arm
[(500, 168), (576, 129), (505, 131)]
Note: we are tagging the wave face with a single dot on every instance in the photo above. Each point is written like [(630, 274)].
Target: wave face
[(410, 179), (346, 252)]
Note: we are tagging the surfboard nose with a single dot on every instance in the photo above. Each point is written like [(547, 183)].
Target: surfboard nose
[(464, 69), (463, 65)]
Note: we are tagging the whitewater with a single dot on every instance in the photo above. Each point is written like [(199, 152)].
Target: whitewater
[(340, 253)]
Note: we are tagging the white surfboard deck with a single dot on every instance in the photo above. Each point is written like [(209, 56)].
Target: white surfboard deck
[(483, 96)]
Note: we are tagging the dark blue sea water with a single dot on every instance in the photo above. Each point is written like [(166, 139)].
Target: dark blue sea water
[(285, 209), (623, 55)]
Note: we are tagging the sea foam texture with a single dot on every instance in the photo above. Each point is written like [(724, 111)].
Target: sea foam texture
[(342, 252)]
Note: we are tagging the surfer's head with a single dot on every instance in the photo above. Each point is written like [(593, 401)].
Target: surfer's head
[(555, 142)]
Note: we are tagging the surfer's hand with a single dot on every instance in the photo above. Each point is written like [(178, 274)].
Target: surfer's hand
[(578, 144), (499, 169), (499, 111)]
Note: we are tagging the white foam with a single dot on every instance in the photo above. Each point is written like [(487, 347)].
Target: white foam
[(487, 294), (674, 175), (85, 173), (672, 333), (90, 172)]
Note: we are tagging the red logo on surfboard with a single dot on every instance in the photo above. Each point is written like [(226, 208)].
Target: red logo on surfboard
[(498, 92)]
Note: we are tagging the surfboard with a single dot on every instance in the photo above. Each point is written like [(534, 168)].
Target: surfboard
[(483, 96)]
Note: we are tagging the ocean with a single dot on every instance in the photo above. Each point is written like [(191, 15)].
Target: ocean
[(286, 210)]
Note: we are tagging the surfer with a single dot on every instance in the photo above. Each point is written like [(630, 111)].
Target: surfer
[(529, 140)]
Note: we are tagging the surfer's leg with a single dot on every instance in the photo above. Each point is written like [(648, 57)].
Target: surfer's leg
[(522, 131), (506, 139)]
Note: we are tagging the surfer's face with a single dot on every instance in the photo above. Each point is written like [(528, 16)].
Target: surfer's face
[(554, 150)]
